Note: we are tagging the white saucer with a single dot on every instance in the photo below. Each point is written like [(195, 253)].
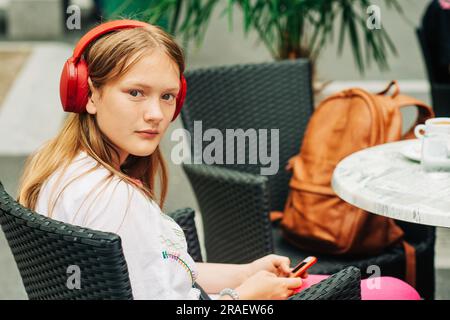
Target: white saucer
[(413, 150)]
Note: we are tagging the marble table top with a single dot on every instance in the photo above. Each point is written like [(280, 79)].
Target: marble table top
[(383, 181)]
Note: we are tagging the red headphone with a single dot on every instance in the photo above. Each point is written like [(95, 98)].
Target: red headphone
[(73, 85)]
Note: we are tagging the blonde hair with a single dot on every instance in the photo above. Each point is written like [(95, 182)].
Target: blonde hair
[(108, 58)]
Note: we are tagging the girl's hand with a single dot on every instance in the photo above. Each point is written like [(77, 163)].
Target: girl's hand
[(278, 265), (265, 285)]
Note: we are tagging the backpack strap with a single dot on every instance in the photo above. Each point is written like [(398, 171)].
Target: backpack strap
[(425, 111), (410, 268), (275, 216), (394, 84), (400, 101)]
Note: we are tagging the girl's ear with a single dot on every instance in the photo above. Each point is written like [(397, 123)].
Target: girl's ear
[(90, 106)]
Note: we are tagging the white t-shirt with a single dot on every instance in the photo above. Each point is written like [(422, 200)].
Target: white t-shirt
[(154, 245)]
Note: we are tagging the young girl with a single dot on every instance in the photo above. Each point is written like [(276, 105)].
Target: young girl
[(123, 87)]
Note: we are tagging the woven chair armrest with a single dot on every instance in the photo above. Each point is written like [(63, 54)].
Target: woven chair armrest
[(343, 285)]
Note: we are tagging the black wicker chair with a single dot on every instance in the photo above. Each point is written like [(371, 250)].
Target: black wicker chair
[(343, 285), (44, 248), (235, 199), (440, 92)]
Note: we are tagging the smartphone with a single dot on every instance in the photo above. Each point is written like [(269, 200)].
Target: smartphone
[(304, 265)]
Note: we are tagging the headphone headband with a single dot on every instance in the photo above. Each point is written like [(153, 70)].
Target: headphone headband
[(101, 30)]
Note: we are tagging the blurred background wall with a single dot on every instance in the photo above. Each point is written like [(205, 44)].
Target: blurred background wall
[(224, 47)]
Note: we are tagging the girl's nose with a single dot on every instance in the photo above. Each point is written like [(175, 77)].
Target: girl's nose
[(153, 111)]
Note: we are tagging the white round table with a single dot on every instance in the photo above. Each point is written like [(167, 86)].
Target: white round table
[(383, 181)]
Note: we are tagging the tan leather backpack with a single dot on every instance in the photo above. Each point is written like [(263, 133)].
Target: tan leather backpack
[(315, 218)]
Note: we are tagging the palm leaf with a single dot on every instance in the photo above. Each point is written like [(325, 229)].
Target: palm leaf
[(286, 27)]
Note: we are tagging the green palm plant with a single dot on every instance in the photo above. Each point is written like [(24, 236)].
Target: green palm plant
[(288, 28)]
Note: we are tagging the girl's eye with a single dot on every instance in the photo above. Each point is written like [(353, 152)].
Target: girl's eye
[(168, 97), (135, 93)]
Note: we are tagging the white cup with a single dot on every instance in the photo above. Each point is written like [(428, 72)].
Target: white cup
[(435, 136)]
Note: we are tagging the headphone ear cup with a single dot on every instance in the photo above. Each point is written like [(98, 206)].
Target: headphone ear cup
[(73, 86), (181, 96), (66, 83), (82, 89)]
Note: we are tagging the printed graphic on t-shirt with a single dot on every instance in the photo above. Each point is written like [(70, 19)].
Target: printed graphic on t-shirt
[(175, 256)]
